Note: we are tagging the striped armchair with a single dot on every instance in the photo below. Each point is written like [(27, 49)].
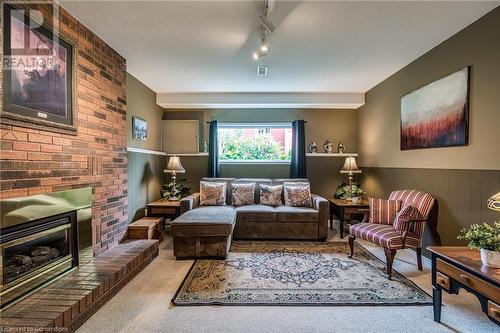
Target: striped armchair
[(406, 230)]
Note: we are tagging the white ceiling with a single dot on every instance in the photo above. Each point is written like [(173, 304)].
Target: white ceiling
[(329, 46)]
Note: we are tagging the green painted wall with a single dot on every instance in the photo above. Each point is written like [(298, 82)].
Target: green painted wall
[(144, 171), (462, 178), (141, 102)]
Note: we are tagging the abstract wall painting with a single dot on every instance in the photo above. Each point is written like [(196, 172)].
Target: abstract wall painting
[(437, 115)]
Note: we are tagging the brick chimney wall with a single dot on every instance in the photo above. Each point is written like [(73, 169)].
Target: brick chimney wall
[(37, 161)]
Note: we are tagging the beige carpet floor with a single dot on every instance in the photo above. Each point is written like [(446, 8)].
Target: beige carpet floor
[(144, 306)]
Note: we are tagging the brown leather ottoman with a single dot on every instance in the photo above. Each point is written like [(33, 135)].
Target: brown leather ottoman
[(203, 232)]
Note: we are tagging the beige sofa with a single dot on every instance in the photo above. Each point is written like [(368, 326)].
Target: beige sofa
[(206, 231)]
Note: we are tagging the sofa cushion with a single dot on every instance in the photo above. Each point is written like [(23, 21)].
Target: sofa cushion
[(255, 213), (228, 182), (290, 214), (297, 194), (257, 182), (271, 194), (243, 194), (212, 193), (208, 220)]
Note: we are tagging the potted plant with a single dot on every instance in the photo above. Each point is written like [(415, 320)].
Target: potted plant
[(486, 238), (351, 192), (177, 191)]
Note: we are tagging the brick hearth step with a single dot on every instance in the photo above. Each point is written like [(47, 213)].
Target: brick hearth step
[(69, 301)]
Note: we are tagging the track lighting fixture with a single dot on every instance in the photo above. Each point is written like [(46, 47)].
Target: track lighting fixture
[(267, 27), (264, 50)]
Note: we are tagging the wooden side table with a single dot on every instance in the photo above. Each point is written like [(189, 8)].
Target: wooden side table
[(164, 208), (345, 210), (455, 267)]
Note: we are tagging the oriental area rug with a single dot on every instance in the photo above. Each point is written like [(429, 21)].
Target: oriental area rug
[(296, 273)]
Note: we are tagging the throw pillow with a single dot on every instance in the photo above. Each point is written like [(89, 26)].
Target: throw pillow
[(297, 194), (270, 195), (243, 194), (212, 194), (405, 215), (383, 211)]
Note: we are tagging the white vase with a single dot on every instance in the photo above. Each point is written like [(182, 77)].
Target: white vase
[(490, 258), (355, 200)]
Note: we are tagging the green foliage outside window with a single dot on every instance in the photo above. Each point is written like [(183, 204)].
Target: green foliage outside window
[(260, 147)]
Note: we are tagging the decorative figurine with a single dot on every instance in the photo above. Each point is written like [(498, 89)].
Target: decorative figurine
[(340, 148), (328, 146), (313, 148)]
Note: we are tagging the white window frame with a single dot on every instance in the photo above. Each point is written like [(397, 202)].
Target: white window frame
[(254, 125)]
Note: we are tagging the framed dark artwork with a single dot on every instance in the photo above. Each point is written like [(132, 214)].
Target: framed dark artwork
[(437, 115), (38, 74), (139, 129)]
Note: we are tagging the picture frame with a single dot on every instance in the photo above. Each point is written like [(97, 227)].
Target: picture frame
[(38, 74), (139, 129), (437, 114)]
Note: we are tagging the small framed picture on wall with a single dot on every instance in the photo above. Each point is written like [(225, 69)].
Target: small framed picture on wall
[(139, 129)]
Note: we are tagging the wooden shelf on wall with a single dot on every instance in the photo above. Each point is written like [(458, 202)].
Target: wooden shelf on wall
[(188, 154), (332, 154), (307, 154)]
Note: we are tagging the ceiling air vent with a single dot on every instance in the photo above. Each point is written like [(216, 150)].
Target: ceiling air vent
[(261, 70)]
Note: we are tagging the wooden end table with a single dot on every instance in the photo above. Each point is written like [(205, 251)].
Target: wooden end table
[(455, 267), (164, 208), (345, 210)]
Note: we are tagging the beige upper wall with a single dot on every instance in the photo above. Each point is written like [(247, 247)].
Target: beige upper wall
[(141, 102), (379, 119), (322, 124)]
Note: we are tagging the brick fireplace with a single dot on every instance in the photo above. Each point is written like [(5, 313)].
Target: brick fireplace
[(36, 161)]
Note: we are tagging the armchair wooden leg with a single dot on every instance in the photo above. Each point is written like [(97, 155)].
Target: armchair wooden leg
[(419, 258), (389, 255), (351, 244)]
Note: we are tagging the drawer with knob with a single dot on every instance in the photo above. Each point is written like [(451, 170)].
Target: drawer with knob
[(162, 210), (467, 279), (443, 280), (494, 310)]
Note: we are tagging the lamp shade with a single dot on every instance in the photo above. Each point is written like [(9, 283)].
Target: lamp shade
[(350, 166), (174, 165), (494, 202)]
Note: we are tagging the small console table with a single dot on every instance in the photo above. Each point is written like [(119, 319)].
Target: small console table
[(164, 208), (344, 210), (455, 267)]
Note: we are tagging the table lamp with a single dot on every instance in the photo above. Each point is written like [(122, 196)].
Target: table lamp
[(350, 167), (174, 167)]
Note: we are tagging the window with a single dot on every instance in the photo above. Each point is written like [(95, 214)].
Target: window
[(270, 142)]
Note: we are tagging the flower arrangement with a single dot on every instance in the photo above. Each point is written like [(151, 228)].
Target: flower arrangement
[(485, 236), (180, 190), (344, 191)]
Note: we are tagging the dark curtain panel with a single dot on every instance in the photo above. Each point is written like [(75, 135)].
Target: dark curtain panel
[(213, 151), (298, 160)]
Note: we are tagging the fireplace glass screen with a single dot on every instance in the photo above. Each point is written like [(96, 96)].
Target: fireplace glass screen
[(28, 254)]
